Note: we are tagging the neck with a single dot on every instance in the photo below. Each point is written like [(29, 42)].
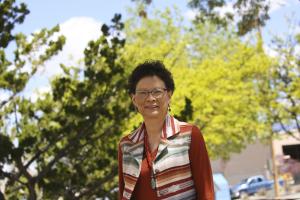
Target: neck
[(154, 129)]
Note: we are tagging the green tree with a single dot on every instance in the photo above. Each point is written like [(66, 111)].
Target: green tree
[(215, 75), (67, 139), (14, 75), (251, 13), (10, 15), (87, 111), (280, 95), (222, 84)]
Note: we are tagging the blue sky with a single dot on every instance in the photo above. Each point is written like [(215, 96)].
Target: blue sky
[(48, 13), (80, 22)]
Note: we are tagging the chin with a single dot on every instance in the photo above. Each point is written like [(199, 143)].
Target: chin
[(154, 114)]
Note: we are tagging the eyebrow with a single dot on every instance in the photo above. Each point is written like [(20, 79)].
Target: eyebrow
[(149, 89)]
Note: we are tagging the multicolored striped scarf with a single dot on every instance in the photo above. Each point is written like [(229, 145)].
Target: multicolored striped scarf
[(171, 166)]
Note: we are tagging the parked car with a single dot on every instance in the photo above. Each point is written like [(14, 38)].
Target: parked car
[(252, 185), (221, 186)]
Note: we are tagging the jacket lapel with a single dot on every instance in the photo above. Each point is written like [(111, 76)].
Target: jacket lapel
[(171, 127)]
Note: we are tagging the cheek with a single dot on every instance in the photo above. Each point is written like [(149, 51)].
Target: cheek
[(167, 100), (138, 103), (165, 103)]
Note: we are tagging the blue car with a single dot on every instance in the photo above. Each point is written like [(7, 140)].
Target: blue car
[(251, 185)]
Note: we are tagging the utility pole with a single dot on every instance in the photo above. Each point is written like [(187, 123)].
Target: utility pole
[(274, 168)]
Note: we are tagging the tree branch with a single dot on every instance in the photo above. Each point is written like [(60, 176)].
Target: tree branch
[(8, 100), (92, 188), (62, 152), (41, 151), (11, 176), (293, 113), (285, 129)]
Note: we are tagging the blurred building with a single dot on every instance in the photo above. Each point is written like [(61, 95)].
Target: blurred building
[(256, 159)]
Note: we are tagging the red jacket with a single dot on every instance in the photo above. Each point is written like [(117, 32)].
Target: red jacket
[(188, 175)]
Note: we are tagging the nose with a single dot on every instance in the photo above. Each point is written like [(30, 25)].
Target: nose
[(150, 97)]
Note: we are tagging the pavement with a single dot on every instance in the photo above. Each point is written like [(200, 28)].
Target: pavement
[(295, 196), (292, 194)]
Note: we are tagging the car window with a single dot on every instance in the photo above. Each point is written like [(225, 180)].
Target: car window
[(253, 181), (244, 180), (259, 179)]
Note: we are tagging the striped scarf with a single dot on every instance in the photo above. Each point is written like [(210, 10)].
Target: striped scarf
[(171, 165)]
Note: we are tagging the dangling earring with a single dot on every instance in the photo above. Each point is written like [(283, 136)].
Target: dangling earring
[(169, 108)]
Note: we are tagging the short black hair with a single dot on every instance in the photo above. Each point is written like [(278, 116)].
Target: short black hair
[(150, 68)]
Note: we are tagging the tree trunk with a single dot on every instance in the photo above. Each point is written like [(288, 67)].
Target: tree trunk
[(275, 174), (32, 192)]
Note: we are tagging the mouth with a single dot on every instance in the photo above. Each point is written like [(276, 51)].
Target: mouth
[(152, 107)]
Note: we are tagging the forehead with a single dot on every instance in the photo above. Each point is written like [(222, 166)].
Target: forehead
[(150, 82)]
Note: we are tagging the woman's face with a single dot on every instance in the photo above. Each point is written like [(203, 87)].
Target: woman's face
[(151, 97)]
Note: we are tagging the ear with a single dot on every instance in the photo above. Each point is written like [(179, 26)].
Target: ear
[(170, 93), (133, 100)]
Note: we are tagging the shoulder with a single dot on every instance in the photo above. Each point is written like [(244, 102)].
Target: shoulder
[(131, 139), (126, 138), (133, 135), (192, 130), (188, 127), (124, 141), (196, 135)]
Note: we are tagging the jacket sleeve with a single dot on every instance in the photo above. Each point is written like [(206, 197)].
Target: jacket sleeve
[(200, 166), (121, 180)]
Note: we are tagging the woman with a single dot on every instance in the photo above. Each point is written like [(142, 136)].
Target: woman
[(164, 158)]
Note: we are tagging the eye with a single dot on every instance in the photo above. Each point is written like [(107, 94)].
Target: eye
[(156, 92), (142, 93)]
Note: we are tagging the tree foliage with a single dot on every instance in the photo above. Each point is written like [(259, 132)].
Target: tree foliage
[(10, 15), (222, 86), (88, 128), (67, 139), (216, 53), (251, 13), (279, 89)]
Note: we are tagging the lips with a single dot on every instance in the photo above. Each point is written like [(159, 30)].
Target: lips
[(151, 107)]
